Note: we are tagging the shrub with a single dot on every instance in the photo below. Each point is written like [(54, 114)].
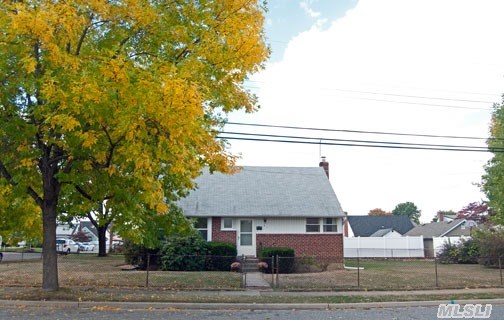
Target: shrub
[(466, 251), (186, 253), (286, 264), (220, 255), (137, 255), (490, 242)]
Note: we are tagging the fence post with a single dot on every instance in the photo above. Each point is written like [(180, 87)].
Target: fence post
[(148, 267), (244, 272), (500, 268), (278, 271), (272, 272), (435, 268), (358, 271)]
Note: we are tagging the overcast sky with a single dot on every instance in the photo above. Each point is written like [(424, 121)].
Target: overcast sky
[(408, 66)]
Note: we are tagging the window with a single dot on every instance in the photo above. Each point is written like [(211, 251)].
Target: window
[(330, 225), (201, 225), (312, 225), (227, 223)]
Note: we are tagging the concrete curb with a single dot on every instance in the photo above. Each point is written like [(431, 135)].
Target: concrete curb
[(230, 306)]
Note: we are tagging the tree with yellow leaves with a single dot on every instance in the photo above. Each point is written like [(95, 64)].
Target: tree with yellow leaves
[(119, 101)]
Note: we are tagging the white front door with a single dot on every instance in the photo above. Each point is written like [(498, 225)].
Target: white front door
[(246, 238)]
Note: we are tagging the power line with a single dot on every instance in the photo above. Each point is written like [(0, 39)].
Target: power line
[(359, 145), (361, 141), (359, 131), (408, 96), (407, 102), (411, 96)]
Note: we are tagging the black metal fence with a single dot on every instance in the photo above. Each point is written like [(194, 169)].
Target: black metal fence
[(382, 274), (230, 273)]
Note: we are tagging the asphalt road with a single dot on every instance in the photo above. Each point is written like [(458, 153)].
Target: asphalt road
[(16, 256), (103, 313)]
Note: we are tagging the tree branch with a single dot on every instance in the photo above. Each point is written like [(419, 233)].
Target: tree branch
[(6, 174), (83, 36)]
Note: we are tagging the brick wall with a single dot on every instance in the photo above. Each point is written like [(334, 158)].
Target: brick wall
[(306, 245), (219, 235)]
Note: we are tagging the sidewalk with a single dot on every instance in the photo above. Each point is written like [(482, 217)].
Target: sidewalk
[(255, 281), (229, 306), (244, 299)]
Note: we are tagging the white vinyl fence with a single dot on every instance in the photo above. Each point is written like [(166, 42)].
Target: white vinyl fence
[(384, 247)]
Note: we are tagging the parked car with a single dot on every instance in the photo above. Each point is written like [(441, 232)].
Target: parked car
[(87, 246), (66, 246)]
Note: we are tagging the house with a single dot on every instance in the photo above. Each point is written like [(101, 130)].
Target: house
[(441, 216), (270, 207), (68, 231), (437, 233), (377, 226)]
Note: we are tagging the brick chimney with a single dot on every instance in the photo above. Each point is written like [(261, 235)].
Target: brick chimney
[(324, 164), (440, 216)]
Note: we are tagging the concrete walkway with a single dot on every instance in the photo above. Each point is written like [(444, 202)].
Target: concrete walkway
[(255, 281), (228, 306)]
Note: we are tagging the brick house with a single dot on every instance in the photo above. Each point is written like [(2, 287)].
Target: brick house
[(259, 207)]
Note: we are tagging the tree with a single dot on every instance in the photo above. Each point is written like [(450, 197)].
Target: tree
[(379, 212), (408, 209), (81, 236), (19, 220), (119, 101), (476, 211), (493, 179)]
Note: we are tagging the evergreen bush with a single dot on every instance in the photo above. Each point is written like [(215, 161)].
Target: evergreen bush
[(286, 260)]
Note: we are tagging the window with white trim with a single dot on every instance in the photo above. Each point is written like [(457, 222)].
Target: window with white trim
[(227, 224), (312, 225), (201, 224), (330, 225)]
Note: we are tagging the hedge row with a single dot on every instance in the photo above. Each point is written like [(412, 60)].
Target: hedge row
[(285, 254)]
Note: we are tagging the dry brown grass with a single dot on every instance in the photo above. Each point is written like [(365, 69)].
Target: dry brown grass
[(92, 271), (395, 274)]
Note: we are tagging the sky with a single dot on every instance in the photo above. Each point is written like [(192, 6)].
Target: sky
[(403, 66)]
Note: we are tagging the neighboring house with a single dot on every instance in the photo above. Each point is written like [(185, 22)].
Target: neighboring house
[(269, 207), (67, 231), (389, 232), (437, 233), (64, 231), (441, 217), (377, 226)]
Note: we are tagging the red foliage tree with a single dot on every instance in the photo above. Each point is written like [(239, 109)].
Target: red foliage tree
[(476, 211)]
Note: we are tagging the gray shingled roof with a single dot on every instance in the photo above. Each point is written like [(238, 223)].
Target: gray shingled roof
[(439, 229), (365, 226), (382, 232), (263, 191)]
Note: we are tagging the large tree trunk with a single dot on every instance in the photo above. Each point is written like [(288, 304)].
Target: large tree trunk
[(102, 240), (51, 187), (49, 254)]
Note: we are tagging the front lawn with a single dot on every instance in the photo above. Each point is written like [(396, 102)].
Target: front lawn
[(394, 274), (92, 271)]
